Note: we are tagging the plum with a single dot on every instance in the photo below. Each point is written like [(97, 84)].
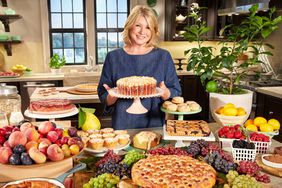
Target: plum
[(72, 131), (25, 159), (18, 149), (15, 159)]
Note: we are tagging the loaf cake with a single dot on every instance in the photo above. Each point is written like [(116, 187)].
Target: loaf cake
[(146, 140), (137, 85)]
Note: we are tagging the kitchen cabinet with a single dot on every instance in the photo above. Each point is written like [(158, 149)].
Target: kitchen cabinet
[(174, 28), (192, 90), (270, 107)]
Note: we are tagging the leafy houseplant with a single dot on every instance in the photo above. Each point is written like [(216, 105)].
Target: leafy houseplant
[(56, 62), (244, 39)]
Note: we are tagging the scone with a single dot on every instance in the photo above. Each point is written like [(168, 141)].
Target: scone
[(183, 108), (194, 106), (190, 102), (177, 100), (172, 107), (166, 103)]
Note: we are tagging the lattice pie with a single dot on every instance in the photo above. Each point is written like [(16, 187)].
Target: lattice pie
[(172, 171)]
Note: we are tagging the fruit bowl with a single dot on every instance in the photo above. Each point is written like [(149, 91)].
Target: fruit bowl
[(230, 120)]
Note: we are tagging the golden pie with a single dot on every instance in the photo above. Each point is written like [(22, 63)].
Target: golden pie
[(187, 128), (172, 171), (33, 184)]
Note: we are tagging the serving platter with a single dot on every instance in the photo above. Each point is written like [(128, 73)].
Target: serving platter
[(104, 149), (51, 115)]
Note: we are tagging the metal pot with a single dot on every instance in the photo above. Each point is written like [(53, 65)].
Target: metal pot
[(59, 181)]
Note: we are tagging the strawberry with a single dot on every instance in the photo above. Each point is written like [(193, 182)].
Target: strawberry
[(237, 134)]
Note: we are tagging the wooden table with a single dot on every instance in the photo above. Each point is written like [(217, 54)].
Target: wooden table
[(62, 94)]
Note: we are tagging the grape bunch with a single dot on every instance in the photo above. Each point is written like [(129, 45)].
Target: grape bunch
[(132, 157), (216, 160), (240, 181), (212, 147), (248, 167), (168, 150), (109, 156), (103, 180), (118, 169), (196, 146), (263, 178)]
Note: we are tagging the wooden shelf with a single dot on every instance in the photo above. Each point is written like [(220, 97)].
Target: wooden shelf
[(8, 45), (7, 19)]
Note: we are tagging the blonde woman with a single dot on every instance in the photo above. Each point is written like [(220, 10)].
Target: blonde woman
[(140, 56)]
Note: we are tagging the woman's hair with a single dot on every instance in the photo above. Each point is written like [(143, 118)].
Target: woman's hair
[(149, 14)]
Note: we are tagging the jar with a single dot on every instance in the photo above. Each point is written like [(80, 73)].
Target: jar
[(10, 104)]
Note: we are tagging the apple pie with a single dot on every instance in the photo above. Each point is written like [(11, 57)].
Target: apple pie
[(33, 184), (169, 171), (187, 128)]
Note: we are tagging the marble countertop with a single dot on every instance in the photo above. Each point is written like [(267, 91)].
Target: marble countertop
[(272, 91)]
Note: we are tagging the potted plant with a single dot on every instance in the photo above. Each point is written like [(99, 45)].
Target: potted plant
[(56, 63), (241, 51)]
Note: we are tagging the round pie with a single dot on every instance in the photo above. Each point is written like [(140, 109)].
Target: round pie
[(172, 171)]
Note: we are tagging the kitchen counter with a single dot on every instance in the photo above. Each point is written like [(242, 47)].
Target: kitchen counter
[(272, 91), (34, 77)]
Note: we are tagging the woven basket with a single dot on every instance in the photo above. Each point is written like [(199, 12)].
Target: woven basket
[(230, 120)]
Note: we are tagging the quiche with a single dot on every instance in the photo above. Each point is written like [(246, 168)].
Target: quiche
[(172, 171)]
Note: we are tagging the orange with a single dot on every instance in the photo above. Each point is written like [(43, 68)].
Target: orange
[(241, 111), (251, 127), (259, 120), (275, 124), (265, 127), (227, 105), (230, 111), (220, 110), (248, 122)]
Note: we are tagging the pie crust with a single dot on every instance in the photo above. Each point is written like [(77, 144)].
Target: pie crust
[(172, 171)]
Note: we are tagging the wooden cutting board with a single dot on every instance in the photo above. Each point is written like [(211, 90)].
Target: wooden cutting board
[(271, 170), (75, 92)]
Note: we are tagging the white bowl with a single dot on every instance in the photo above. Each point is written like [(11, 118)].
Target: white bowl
[(180, 18), (269, 163), (230, 120)]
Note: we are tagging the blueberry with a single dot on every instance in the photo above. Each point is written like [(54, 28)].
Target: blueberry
[(19, 149), (15, 159), (25, 159)]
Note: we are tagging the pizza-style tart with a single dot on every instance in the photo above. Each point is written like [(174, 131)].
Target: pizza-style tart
[(172, 171), (187, 128)]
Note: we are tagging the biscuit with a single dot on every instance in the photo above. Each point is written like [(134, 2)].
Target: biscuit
[(166, 103), (177, 100), (183, 108), (194, 106), (172, 107)]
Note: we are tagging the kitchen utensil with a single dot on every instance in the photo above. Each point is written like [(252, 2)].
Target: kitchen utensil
[(57, 181)]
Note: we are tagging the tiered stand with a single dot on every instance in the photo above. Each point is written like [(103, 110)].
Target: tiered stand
[(180, 139), (136, 107)]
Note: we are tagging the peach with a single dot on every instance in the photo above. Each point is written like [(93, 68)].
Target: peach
[(44, 139), (43, 146), (37, 156), (31, 144), (45, 127), (16, 138), (31, 134), (5, 153), (55, 153), (6, 144), (26, 125), (52, 136)]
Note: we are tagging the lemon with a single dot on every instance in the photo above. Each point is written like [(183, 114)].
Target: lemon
[(259, 120), (241, 111), (230, 111), (248, 122), (251, 127), (220, 110), (227, 105), (265, 127), (275, 124)]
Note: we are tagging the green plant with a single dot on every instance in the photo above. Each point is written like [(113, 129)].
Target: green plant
[(244, 39), (57, 62)]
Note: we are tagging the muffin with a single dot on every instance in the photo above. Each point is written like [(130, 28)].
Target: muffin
[(82, 133), (108, 135), (111, 143), (118, 132), (107, 130), (95, 136), (96, 143), (91, 131), (123, 139)]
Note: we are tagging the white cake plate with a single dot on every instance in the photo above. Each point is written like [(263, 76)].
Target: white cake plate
[(136, 107)]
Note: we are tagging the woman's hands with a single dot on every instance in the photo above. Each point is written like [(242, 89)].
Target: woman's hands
[(110, 99), (166, 93)]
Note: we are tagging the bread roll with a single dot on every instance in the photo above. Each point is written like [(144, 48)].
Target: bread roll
[(166, 103), (172, 107), (194, 106), (177, 100)]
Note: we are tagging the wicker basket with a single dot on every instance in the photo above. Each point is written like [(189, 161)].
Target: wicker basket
[(230, 120)]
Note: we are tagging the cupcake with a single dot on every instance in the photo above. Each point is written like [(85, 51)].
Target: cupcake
[(95, 136), (107, 130), (91, 131), (96, 143), (110, 143), (118, 132), (82, 133), (109, 135), (123, 139)]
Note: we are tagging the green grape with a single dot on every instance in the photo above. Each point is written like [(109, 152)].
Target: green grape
[(132, 157), (102, 181)]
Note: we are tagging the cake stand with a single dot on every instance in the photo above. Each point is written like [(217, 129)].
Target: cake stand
[(180, 139), (136, 107)]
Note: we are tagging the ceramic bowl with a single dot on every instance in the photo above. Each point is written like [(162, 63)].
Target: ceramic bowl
[(230, 120), (269, 163), (180, 18)]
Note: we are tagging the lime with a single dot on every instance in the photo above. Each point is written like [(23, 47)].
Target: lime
[(211, 86)]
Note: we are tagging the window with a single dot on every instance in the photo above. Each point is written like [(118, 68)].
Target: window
[(110, 19), (67, 30)]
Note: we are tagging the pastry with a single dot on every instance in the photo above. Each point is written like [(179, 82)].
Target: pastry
[(95, 136), (117, 132), (108, 135), (123, 139), (194, 106), (110, 143), (91, 131), (96, 143), (190, 102), (183, 108), (32, 184), (137, 85), (166, 103), (177, 100), (163, 171), (172, 107), (107, 130), (146, 140), (187, 128)]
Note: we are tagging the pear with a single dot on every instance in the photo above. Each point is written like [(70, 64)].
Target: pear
[(91, 122)]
